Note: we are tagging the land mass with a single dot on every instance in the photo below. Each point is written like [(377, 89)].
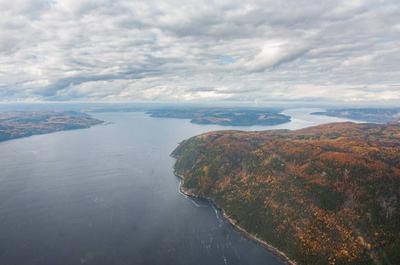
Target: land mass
[(224, 116), (22, 124), (328, 194), (376, 115)]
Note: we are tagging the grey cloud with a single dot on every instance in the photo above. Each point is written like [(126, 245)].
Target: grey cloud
[(200, 89), (62, 84)]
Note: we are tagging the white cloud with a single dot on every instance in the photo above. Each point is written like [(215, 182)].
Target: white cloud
[(273, 54)]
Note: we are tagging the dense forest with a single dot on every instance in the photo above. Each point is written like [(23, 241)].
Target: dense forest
[(328, 194)]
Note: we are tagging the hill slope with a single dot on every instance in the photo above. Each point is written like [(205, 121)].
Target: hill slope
[(328, 194)]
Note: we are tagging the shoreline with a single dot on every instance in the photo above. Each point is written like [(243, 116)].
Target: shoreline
[(281, 255)]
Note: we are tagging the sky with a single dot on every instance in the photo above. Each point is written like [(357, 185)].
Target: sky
[(200, 51)]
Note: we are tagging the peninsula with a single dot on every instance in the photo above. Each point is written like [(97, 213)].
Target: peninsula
[(27, 123), (224, 116), (328, 194)]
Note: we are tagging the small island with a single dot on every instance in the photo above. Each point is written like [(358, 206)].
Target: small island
[(224, 116), (27, 123), (328, 194)]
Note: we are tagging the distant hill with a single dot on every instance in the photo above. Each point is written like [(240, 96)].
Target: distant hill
[(26, 123), (376, 115), (224, 116), (328, 194)]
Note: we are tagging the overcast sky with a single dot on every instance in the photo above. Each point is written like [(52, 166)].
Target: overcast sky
[(202, 51)]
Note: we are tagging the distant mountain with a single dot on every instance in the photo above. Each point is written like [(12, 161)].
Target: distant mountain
[(328, 194), (26, 123), (376, 115), (224, 116)]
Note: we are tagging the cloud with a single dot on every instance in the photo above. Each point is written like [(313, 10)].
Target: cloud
[(273, 55), (254, 50)]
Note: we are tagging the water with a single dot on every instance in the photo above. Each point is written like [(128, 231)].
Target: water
[(107, 195)]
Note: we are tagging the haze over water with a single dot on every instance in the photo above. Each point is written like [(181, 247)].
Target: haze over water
[(108, 195)]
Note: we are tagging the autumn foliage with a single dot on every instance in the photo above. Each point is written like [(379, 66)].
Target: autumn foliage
[(328, 194)]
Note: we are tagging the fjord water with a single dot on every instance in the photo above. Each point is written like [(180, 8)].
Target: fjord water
[(108, 195)]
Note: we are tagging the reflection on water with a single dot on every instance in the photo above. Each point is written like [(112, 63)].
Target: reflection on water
[(107, 195)]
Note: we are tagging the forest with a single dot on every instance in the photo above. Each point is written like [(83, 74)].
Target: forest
[(328, 194)]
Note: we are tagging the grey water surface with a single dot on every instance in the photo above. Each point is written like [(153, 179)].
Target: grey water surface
[(108, 195)]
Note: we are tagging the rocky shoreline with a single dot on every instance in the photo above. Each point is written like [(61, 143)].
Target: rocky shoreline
[(233, 222)]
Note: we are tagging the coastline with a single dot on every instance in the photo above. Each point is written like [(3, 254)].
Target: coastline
[(281, 255)]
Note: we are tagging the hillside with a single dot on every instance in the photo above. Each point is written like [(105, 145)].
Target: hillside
[(328, 194)]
